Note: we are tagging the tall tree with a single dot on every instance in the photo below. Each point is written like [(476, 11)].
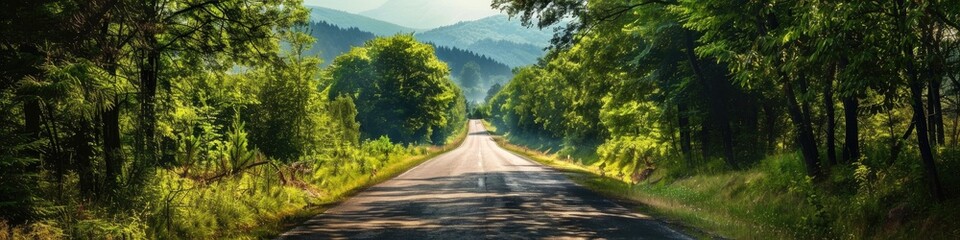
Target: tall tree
[(402, 90)]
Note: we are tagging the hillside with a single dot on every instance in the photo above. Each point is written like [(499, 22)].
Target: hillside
[(498, 27), (509, 53), (333, 41), (497, 37), (350, 20)]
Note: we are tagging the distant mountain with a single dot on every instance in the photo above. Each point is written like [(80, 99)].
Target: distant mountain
[(455, 58), (498, 27), (497, 37), (509, 53), (427, 14), (333, 41), (350, 20)]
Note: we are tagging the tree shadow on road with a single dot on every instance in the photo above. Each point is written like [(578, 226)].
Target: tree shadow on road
[(517, 204)]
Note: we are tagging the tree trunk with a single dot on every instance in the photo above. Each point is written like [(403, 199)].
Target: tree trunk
[(84, 158), (936, 109), (923, 140), (683, 121), (111, 145), (932, 111), (149, 75), (831, 121), (714, 101), (705, 150), (31, 116), (851, 138), (916, 86), (770, 120), (808, 145)]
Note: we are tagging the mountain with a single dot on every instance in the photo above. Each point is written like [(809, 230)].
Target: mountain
[(427, 14), (510, 53), (497, 37), (455, 58), (333, 41), (498, 27), (350, 20)]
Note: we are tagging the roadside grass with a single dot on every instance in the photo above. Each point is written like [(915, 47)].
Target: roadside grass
[(260, 203), (770, 200), (336, 196)]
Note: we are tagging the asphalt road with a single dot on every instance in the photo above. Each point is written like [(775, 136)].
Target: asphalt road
[(480, 191)]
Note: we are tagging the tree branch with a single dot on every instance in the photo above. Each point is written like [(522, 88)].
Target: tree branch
[(190, 9)]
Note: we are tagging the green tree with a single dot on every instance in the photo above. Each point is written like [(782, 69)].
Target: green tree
[(285, 126), (400, 88), (470, 78)]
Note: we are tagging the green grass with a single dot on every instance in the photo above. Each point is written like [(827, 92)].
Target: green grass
[(771, 200), (258, 203), (275, 228)]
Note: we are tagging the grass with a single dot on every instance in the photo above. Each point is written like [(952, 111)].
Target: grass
[(275, 228), (259, 203), (771, 200)]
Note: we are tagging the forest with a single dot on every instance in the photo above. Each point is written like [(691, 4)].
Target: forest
[(801, 119), (193, 119)]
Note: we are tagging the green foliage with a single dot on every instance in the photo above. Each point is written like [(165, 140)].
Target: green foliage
[(192, 125), (344, 115), (702, 91), (470, 78), (401, 90), (288, 120)]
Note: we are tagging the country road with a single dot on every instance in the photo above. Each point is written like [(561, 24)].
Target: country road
[(480, 191)]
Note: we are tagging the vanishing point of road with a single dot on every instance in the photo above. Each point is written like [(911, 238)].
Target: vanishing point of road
[(480, 191)]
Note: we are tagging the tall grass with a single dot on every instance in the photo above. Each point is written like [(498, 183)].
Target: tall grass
[(774, 199), (259, 202)]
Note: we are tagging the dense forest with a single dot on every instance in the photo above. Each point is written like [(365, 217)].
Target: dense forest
[(187, 119), (333, 41), (488, 71), (525, 54), (836, 119), (499, 37)]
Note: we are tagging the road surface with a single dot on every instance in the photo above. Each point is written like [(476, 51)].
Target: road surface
[(480, 191)]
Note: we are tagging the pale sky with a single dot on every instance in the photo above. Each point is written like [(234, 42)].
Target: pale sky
[(422, 14)]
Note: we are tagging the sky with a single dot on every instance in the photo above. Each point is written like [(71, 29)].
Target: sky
[(421, 14)]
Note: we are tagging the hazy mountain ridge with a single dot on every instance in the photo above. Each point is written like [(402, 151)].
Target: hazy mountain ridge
[(497, 28), (497, 37), (349, 20), (509, 53), (333, 41)]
